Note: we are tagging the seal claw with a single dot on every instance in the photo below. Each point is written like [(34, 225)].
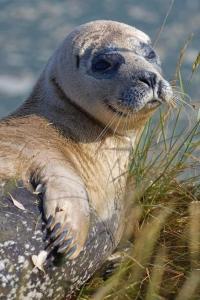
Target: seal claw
[(71, 251), (49, 222), (55, 231), (63, 248), (39, 189), (60, 238)]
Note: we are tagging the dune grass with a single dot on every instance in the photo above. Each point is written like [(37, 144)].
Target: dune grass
[(162, 260)]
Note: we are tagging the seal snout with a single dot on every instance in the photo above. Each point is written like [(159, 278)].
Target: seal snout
[(147, 89), (148, 78)]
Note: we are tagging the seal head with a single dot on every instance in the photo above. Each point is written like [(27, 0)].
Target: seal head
[(110, 70)]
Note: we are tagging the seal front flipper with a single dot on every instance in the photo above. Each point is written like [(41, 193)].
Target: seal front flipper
[(66, 209)]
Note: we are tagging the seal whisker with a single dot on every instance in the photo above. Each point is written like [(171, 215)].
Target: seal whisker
[(179, 99), (117, 125), (182, 94), (106, 128)]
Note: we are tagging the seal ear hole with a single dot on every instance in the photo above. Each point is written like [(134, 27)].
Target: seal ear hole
[(77, 61)]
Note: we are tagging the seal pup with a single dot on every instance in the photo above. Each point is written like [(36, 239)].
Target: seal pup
[(71, 140)]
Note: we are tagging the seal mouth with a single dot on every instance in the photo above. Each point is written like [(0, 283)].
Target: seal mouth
[(114, 109), (152, 104)]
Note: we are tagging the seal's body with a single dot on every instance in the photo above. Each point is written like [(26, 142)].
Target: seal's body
[(71, 140)]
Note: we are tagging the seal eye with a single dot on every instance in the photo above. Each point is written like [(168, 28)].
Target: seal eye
[(106, 64), (101, 65)]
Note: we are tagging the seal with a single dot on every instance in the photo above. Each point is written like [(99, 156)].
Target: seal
[(71, 140)]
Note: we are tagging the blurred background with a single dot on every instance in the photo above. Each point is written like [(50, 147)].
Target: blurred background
[(31, 30)]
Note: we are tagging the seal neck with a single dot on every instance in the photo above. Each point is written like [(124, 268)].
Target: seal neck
[(48, 101)]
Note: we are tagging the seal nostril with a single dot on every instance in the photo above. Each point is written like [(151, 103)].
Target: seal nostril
[(146, 81), (149, 78)]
